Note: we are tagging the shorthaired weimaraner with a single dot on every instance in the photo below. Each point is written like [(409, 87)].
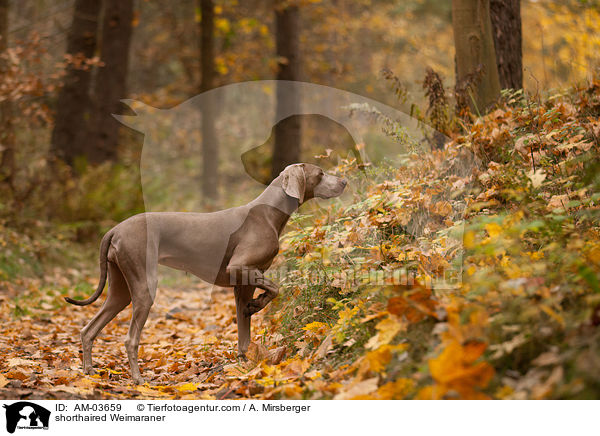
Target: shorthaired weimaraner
[(229, 248)]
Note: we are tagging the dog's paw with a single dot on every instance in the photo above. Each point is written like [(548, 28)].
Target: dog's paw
[(139, 380), (89, 371), (251, 308)]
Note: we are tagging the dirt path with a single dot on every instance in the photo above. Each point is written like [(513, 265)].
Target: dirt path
[(188, 350)]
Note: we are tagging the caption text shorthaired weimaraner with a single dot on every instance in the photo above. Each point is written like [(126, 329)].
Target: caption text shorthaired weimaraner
[(229, 248)]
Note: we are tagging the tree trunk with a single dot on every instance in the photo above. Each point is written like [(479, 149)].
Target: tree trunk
[(7, 137), (73, 108), (475, 55), (210, 150), (506, 29), (288, 131), (111, 79)]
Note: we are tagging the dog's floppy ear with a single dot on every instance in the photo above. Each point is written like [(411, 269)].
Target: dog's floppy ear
[(294, 181)]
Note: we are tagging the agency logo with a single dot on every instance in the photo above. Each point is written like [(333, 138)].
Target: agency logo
[(26, 415)]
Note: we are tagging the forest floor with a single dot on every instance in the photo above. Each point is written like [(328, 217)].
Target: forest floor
[(510, 208), (188, 350)]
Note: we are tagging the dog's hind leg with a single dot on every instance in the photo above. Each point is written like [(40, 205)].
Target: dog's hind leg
[(117, 299), (142, 283)]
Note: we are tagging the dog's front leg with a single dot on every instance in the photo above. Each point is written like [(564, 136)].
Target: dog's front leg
[(258, 280), (243, 295), (241, 275)]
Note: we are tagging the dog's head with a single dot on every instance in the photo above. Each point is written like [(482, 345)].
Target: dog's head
[(305, 181)]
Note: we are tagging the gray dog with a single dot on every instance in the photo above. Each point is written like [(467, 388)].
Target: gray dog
[(229, 248)]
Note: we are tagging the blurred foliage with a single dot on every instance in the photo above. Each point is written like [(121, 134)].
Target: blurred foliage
[(523, 323), (346, 46)]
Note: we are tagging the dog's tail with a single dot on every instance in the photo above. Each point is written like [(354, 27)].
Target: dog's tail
[(104, 245)]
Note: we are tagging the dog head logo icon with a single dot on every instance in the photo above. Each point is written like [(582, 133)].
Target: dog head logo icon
[(26, 415)]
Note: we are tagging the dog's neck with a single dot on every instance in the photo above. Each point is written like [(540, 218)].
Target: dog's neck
[(283, 204)]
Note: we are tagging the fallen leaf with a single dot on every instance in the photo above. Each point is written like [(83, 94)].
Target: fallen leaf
[(456, 369), (356, 389), (387, 329), (276, 355), (187, 387), (325, 346), (257, 352), (395, 390), (18, 375), (537, 177), (16, 361), (558, 202), (378, 359)]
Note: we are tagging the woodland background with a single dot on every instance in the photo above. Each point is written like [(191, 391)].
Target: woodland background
[(511, 87)]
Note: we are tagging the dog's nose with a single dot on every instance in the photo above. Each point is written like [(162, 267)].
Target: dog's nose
[(344, 182)]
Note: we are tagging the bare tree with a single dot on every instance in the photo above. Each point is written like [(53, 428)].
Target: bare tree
[(288, 132), (111, 79), (507, 32), (7, 137), (210, 150), (73, 108), (475, 50)]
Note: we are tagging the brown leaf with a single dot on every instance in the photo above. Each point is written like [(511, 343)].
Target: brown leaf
[(255, 388), (257, 352), (276, 355), (16, 374), (325, 346)]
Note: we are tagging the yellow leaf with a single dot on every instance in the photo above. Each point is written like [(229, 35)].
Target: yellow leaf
[(432, 393), (147, 391), (395, 390), (594, 254), (455, 369), (210, 339), (378, 359), (387, 329), (187, 387), (346, 314), (85, 382), (493, 230), (469, 239), (535, 255), (223, 25), (315, 327)]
